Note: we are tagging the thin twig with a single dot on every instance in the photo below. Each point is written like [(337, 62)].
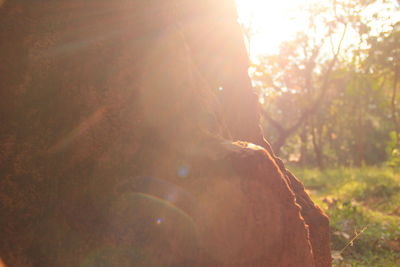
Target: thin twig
[(354, 238)]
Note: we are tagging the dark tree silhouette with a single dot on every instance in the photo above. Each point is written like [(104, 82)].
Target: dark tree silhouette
[(117, 142)]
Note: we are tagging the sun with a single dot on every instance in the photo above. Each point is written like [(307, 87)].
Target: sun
[(271, 22)]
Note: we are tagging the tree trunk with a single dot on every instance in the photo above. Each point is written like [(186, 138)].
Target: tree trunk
[(303, 146), (228, 67), (393, 106), (280, 142), (117, 149), (317, 145)]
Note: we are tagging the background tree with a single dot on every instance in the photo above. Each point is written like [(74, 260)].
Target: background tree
[(302, 71), (323, 98), (383, 60)]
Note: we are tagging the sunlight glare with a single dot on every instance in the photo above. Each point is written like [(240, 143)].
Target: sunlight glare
[(271, 22)]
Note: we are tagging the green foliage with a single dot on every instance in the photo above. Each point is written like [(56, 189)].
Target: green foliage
[(393, 152), (333, 103), (363, 206)]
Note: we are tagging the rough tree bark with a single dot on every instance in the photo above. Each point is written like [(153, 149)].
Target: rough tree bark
[(116, 147), (226, 66)]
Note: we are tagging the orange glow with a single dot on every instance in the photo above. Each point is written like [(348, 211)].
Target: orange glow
[(272, 22)]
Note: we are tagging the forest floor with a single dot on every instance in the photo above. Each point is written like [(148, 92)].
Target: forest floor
[(364, 209)]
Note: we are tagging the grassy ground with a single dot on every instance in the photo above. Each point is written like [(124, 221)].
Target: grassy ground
[(364, 210)]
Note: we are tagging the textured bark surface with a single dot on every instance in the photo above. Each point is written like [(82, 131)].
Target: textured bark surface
[(116, 144), (226, 66)]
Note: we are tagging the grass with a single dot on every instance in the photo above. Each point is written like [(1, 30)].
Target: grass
[(364, 209)]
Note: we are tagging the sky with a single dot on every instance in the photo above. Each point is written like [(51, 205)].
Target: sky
[(271, 22), (275, 21)]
